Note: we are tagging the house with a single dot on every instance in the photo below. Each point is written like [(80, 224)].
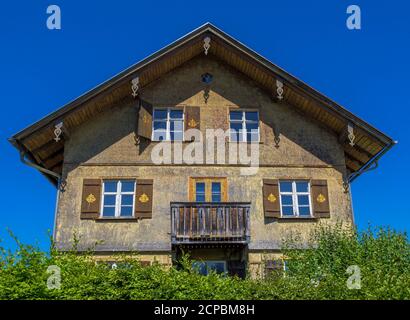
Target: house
[(203, 147)]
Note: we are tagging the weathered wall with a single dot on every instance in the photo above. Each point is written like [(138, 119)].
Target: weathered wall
[(105, 148), (171, 184)]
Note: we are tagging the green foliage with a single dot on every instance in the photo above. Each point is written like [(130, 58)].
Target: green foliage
[(318, 271)]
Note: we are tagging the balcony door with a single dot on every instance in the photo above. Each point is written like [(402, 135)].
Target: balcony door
[(208, 190)]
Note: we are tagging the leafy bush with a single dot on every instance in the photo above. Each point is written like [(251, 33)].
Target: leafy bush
[(316, 272)]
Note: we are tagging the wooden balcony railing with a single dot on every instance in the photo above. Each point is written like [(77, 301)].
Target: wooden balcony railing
[(210, 222)]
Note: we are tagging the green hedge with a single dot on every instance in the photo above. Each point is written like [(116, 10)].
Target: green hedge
[(316, 272)]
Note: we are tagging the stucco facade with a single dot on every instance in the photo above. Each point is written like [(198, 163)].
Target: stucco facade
[(105, 147)]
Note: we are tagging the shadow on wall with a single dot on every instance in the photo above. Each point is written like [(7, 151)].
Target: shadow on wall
[(110, 137)]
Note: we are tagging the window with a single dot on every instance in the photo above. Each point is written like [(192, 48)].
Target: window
[(295, 198), (200, 192), (208, 190), (118, 198), (205, 267), (168, 124), (275, 268), (244, 126), (216, 192)]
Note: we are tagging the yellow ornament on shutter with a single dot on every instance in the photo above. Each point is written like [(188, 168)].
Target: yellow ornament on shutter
[(271, 198), (192, 123), (321, 198), (143, 198), (90, 198)]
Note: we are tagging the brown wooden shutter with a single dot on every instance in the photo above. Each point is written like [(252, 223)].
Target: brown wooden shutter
[(91, 199), (192, 120), (145, 120), (271, 203), (320, 199), (220, 118), (143, 199)]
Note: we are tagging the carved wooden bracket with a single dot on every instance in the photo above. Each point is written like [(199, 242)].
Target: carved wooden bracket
[(135, 86), (276, 134), (207, 44), (279, 89), (58, 131), (350, 135)]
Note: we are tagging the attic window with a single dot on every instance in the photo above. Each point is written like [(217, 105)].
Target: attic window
[(207, 78), (244, 126), (168, 124)]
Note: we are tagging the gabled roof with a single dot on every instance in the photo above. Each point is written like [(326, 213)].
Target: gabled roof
[(37, 144)]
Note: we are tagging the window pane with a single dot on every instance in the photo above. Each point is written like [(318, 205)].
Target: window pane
[(110, 186), (126, 211), (287, 211), (285, 186), (159, 135), (200, 187), (127, 200), (176, 125), (236, 131), (200, 192), (252, 115), (160, 125), (251, 127), (303, 200), (236, 126), (109, 200), (218, 267), (160, 114), (176, 114), (302, 186), (252, 131), (108, 211), (216, 187), (286, 200), (253, 137), (216, 197), (235, 115), (235, 137), (127, 186), (176, 136), (200, 267), (304, 211)]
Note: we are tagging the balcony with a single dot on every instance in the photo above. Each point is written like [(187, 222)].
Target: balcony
[(210, 222)]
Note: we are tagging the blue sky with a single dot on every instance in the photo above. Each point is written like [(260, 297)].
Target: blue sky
[(366, 70)]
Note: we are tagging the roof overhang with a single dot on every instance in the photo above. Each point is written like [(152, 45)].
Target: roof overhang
[(37, 141)]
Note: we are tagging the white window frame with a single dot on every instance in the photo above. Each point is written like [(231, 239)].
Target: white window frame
[(168, 124), (244, 133), (118, 197), (295, 202)]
